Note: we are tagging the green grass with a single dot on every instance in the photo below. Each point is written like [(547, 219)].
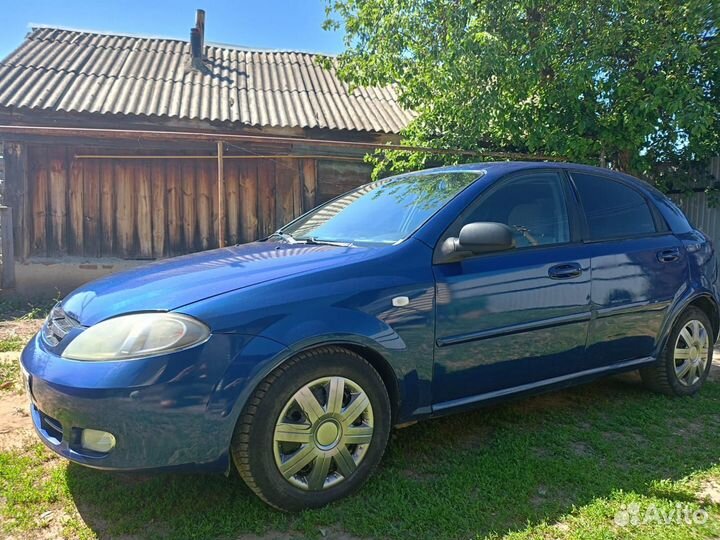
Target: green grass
[(11, 344), (27, 486), (555, 466)]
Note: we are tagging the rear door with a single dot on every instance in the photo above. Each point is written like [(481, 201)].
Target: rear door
[(638, 266), (515, 318)]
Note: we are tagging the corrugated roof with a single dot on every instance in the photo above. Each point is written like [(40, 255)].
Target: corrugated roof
[(63, 70)]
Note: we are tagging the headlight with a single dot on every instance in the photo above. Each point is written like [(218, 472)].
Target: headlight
[(137, 336)]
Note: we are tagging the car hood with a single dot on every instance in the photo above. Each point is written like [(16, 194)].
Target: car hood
[(172, 283)]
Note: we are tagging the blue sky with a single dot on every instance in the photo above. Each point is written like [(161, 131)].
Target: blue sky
[(273, 24)]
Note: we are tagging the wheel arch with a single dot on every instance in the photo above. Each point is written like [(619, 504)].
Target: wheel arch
[(382, 366), (703, 301), (374, 357), (707, 305)]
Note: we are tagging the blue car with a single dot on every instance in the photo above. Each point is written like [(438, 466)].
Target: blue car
[(408, 298)]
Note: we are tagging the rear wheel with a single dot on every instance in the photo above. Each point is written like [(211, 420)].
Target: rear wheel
[(314, 430), (685, 361)]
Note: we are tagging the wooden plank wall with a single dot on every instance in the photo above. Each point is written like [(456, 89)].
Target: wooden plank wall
[(149, 208), (336, 177)]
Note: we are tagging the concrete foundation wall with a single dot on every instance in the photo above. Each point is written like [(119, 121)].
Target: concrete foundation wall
[(42, 278)]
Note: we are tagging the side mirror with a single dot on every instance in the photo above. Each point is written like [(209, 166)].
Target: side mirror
[(481, 237)]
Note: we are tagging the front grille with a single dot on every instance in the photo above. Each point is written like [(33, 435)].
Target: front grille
[(57, 326)]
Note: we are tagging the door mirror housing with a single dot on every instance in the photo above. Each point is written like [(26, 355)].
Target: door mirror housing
[(479, 237)]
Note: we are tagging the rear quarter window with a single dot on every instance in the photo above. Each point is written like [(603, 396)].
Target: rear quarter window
[(676, 219)]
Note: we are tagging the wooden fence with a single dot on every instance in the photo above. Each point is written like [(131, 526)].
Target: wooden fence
[(73, 204)]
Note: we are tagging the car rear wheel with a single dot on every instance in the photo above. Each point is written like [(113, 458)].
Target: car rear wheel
[(314, 430), (685, 361)]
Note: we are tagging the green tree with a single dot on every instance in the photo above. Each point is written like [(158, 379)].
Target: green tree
[(634, 83)]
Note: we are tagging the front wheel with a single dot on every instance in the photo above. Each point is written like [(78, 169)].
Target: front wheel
[(314, 430), (685, 361)]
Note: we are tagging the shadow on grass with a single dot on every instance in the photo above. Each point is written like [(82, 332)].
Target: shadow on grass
[(491, 471)]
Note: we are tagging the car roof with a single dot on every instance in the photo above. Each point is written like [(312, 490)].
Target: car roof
[(498, 168), (510, 166)]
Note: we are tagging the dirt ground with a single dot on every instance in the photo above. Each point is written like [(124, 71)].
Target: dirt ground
[(15, 426), (22, 330)]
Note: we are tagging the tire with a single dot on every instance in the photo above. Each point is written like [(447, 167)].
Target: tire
[(326, 435), (682, 367)]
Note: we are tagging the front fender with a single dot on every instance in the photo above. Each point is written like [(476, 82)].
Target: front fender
[(298, 331), (293, 334), (261, 355)]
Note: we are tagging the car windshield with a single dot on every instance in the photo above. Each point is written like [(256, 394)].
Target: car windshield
[(382, 212)]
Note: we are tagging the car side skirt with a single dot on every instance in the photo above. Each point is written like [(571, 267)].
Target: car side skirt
[(540, 386)]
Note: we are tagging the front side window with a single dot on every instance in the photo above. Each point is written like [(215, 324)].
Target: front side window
[(612, 209), (382, 212), (533, 206)]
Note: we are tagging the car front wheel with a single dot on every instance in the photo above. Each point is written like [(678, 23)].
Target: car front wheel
[(314, 429)]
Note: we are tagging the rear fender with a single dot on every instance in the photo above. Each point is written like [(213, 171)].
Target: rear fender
[(675, 311)]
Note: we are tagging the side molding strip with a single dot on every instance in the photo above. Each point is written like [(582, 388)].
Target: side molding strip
[(540, 384), (515, 329)]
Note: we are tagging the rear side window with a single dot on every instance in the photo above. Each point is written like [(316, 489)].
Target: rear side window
[(612, 209)]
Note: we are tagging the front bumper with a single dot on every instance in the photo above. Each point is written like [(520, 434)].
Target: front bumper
[(161, 410)]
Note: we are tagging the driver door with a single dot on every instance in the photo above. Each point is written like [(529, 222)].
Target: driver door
[(512, 320)]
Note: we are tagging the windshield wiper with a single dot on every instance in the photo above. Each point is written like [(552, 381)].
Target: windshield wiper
[(321, 242), (290, 239)]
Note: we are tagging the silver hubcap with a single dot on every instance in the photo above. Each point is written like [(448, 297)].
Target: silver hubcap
[(323, 433), (692, 350)]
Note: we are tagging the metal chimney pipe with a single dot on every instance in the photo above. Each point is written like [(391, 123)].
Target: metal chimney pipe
[(200, 25), (195, 49)]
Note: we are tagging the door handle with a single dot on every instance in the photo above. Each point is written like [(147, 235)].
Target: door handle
[(565, 271), (668, 255)]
